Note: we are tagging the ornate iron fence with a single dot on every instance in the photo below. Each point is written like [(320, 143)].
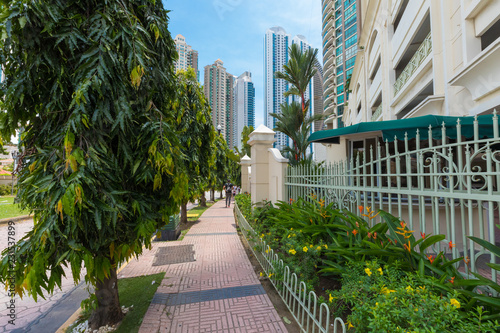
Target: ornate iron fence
[(437, 185), (310, 315)]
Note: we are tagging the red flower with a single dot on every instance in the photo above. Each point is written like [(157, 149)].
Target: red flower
[(375, 235), (360, 209), (354, 232), (423, 235), (451, 245), (369, 235), (452, 280), (431, 259)]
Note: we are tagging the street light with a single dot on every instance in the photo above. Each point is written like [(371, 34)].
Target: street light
[(219, 128), (15, 156)]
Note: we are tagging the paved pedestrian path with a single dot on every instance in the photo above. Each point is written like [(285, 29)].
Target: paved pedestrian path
[(215, 289)]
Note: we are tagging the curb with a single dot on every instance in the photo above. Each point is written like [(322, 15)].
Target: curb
[(15, 219)]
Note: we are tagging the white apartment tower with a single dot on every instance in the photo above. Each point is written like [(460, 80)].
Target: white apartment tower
[(244, 105), (218, 89), (187, 56)]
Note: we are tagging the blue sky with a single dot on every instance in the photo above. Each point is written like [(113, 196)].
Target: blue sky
[(233, 31)]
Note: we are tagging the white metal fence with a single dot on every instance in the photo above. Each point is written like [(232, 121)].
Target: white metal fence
[(436, 184), (311, 315)]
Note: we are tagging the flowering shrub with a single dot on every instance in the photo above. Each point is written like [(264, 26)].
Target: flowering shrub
[(387, 299)]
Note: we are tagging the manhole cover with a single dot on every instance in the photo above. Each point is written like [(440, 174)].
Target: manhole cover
[(174, 255)]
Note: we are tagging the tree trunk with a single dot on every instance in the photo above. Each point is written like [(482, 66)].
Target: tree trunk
[(220, 195), (203, 200), (184, 217), (108, 310), (212, 195)]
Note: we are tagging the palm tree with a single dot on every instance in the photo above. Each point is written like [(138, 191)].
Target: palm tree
[(296, 125), (299, 71)]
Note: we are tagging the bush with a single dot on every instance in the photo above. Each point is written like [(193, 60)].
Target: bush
[(6, 189), (386, 299)]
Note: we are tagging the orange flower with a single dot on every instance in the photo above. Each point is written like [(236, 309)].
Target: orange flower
[(431, 258), (360, 209), (407, 247), (347, 233), (369, 235), (291, 201), (452, 280), (354, 232), (357, 225), (403, 224), (375, 235), (422, 234), (467, 260), (451, 245)]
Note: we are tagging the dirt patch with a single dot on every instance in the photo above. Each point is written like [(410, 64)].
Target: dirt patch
[(275, 298)]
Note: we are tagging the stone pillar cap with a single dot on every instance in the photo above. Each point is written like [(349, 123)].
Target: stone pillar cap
[(262, 135), (245, 160)]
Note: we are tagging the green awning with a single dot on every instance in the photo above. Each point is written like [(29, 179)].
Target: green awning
[(392, 129)]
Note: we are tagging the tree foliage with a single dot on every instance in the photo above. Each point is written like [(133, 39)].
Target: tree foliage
[(245, 147), (196, 136), (91, 82)]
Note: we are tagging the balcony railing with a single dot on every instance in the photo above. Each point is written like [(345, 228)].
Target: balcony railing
[(377, 113), (423, 51)]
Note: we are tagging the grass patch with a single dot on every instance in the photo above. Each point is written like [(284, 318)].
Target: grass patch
[(136, 291), (9, 209), (183, 233), (197, 211)]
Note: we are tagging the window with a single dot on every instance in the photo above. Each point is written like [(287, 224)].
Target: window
[(340, 69), (351, 52), (338, 41), (351, 41), (351, 31), (351, 10), (347, 3), (350, 21), (490, 35), (339, 60), (338, 51), (340, 99), (400, 14), (340, 89), (338, 22), (349, 63), (340, 78)]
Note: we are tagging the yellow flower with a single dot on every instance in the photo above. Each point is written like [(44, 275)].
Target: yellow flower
[(261, 275), (318, 248), (380, 271), (376, 303), (326, 246), (349, 325), (262, 236), (331, 298), (368, 271), (291, 229), (289, 236), (292, 251), (409, 289), (270, 275), (455, 303), (311, 245), (386, 291), (305, 249)]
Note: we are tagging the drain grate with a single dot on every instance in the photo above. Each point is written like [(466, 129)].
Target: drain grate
[(168, 255), (207, 295)]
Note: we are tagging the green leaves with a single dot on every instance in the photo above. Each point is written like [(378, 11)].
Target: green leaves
[(136, 76)]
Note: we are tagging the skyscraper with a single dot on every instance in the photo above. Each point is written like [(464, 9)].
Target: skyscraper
[(244, 105), (339, 53), (187, 56), (276, 43), (218, 89)]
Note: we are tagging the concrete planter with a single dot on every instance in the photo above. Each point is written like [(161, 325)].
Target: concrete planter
[(171, 231)]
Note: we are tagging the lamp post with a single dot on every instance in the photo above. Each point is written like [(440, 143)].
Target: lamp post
[(15, 156)]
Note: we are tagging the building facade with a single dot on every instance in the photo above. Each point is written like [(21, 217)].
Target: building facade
[(340, 45), (219, 92), (187, 56), (422, 57), (244, 106)]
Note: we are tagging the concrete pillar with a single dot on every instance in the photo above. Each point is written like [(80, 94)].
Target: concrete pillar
[(245, 163), (277, 174), (260, 140)]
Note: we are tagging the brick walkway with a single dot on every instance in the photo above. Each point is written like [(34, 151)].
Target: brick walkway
[(217, 292)]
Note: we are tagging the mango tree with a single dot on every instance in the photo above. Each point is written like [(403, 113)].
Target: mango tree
[(196, 135), (91, 83)]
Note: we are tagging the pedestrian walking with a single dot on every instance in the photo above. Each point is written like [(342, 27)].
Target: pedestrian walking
[(228, 187)]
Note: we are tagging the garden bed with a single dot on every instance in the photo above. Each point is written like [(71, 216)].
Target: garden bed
[(378, 278)]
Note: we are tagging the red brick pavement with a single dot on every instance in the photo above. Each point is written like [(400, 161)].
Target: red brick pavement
[(221, 262)]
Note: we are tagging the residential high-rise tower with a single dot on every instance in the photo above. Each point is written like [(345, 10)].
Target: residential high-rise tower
[(244, 105), (218, 89), (187, 56), (339, 54)]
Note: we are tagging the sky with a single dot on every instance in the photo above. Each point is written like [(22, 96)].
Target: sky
[(233, 31)]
